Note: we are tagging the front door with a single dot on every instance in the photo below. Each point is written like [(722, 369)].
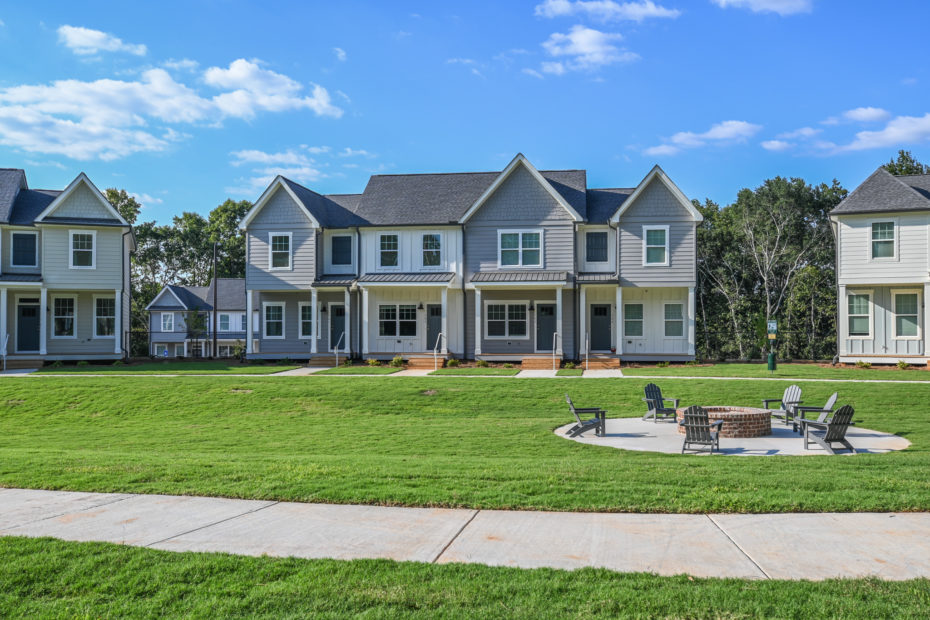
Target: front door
[(600, 327), (27, 327), (545, 326), (337, 327), (433, 325)]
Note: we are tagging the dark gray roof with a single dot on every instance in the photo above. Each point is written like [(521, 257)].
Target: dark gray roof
[(520, 276), (605, 278), (190, 296), (334, 280), (29, 204), (12, 180), (407, 277), (883, 192), (327, 212), (391, 199), (20, 277), (920, 182), (230, 294), (603, 203)]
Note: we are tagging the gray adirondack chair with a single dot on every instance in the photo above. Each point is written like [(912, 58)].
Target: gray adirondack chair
[(700, 434), (822, 412), (787, 404), (655, 404), (830, 431), (597, 422)]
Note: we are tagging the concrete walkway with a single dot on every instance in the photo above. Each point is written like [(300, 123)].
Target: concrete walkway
[(776, 546)]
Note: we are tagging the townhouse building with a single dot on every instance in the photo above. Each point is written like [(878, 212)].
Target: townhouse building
[(64, 273), (511, 265)]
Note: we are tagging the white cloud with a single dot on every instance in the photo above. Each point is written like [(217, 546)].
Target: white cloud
[(803, 132), (294, 163), (866, 115), (252, 156), (340, 54), (899, 131), (910, 81), (776, 145), (782, 7), (184, 64), (584, 49), (727, 132), (86, 42), (52, 164), (2, 24), (145, 199), (460, 61), (534, 73), (316, 150), (662, 150), (605, 9), (350, 152)]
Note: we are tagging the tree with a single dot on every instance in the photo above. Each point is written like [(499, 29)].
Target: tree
[(906, 164), (127, 206), (223, 229)]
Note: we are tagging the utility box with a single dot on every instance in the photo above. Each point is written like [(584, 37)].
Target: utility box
[(772, 365)]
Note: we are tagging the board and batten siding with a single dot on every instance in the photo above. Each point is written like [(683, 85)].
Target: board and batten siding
[(515, 346), (910, 264), (582, 248), (653, 342), (410, 249), (281, 215), (882, 341), (6, 250), (109, 259)]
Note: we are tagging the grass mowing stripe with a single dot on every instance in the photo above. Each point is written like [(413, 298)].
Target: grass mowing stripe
[(784, 371)]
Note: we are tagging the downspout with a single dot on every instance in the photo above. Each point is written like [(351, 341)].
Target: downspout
[(576, 291), (464, 299), (834, 226), (358, 294), (124, 347)]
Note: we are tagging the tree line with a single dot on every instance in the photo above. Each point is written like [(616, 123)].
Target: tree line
[(768, 255)]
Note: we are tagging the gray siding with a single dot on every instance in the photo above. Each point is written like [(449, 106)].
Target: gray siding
[(108, 273), (180, 328), (84, 342), (291, 343), (82, 203), (514, 346), (6, 249), (281, 214)]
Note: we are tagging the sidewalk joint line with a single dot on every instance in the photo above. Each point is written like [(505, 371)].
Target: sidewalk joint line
[(55, 516), (452, 540), (203, 527), (736, 544)]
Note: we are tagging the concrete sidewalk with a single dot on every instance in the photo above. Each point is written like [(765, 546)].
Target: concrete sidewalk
[(775, 546)]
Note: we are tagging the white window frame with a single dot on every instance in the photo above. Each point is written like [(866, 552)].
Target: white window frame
[(243, 322), (684, 320), (93, 251), (290, 251), (96, 316), (382, 266), (423, 251), (35, 234), (397, 320), (165, 315), (158, 348), (867, 293), (300, 319), (646, 246), (506, 303), (894, 239), (219, 322), (351, 251), (74, 317), (641, 321), (178, 347), (264, 321), (520, 232), (606, 254), (894, 312)]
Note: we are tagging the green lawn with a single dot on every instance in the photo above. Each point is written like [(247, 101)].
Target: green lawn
[(570, 372), (360, 370), (50, 578), (217, 367), (421, 442), (784, 371), (489, 372)]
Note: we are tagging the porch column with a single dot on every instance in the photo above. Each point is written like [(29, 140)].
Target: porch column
[(348, 320), (316, 321), (558, 321), (583, 319), (249, 318), (3, 328), (365, 337), (118, 322), (43, 319), (842, 320), (477, 321), (923, 340), (619, 317), (445, 323), (691, 311)]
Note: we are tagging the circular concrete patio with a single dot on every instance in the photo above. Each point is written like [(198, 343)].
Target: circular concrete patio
[(662, 436)]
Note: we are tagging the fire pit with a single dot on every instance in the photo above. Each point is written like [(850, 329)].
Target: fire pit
[(737, 421)]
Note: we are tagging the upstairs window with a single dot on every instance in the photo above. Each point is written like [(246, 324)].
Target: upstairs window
[(104, 317), (596, 247), (342, 250), (224, 323), (167, 321), (520, 249), (25, 249), (280, 250), (655, 245), (859, 315), (63, 317), (82, 249), (389, 246), (243, 322), (883, 240), (432, 250)]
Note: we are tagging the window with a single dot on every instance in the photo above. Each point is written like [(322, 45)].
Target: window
[(906, 315), (882, 239), (306, 320), (859, 315), (63, 315), (389, 250), (224, 323), (520, 249), (280, 246), (633, 320), (161, 350), (655, 246), (387, 320), (506, 320), (24, 251), (596, 247), (243, 323), (274, 320), (179, 350), (167, 321), (674, 321), (82, 249), (432, 250), (104, 317), (342, 250), (398, 320)]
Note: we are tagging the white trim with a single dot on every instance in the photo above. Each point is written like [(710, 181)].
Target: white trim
[(35, 234), (116, 327), (162, 322), (300, 319), (506, 303), (641, 321), (894, 313), (283, 306), (519, 249), (290, 251), (16, 299), (162, 292), (381, 267), (895, 239), (74, 317), (610, 310), (530, 284), (646, 246), (519, 160), (676, 192), (683, 320), (597, 231), (442, 247), (93, 251), (869, 294), (81, 178), (396, 305), (266, 196), (351, 262)]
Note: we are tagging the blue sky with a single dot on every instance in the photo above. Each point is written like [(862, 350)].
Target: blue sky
[(187, 103)]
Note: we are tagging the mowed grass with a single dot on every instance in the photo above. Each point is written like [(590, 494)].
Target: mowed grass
[(215, 367), (570, 372), (487, 372), (420, 441), (51, 578), (783, 371), (359, 370)]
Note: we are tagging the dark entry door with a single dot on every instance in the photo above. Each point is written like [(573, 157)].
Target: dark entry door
[(545, 326), (27, 327), (600, 327), (337, 327), (433, 325)]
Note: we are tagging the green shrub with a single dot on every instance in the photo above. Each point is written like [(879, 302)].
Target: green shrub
[(508, 365), (862, 364), (482, 364), (56, 364), (692, 363), (453, 363), (285, 362), (83, 363), (238, 350), (397, 362), (117, 363), (663, 364), (373, 362), (570, 365), (902, 365)]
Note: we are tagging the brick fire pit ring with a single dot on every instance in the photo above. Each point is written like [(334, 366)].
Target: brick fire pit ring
[(738, 422)]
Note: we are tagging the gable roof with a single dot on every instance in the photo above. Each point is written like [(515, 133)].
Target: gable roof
[(230, 295), (12, 181), (603, 203), (287, 186), (883, 192), (658, 173), (167, 290), (81, 179), (29, 204)]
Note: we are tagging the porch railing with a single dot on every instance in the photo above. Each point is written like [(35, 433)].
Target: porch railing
[(3, 344), (436, 350), (336, 348), (556, 337), (587, 348)]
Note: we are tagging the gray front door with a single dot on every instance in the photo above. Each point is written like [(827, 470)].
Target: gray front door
[(337, 327), (27, 327), (433, 325), (545, 326), (600, 327)]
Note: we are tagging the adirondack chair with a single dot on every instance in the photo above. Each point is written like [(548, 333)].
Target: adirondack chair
[(822, 412), (655, 404), (597, 422), (829, 432), (787, 404), (699, 431)]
